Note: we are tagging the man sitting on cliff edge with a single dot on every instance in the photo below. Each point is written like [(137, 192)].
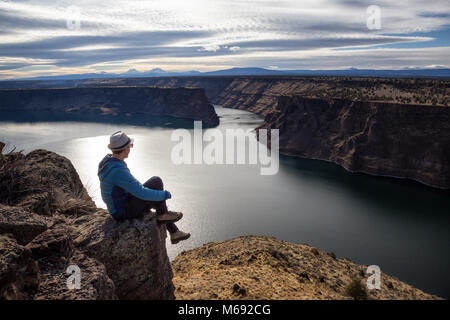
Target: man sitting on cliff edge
[(126, 197)]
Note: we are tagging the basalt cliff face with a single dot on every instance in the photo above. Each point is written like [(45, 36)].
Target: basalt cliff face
[(385, 139), (50, 228), (189, 103), (259, 94)]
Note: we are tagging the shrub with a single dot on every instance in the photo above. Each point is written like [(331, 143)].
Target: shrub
[(356, 289)]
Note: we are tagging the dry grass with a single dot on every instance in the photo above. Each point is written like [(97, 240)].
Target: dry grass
[(11, 169), (260, 267)]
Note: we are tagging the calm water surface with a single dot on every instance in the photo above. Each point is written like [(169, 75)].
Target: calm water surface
[(401, 226)]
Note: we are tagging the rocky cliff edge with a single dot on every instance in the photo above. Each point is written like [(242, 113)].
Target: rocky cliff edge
[(261, 267), (50, 229)]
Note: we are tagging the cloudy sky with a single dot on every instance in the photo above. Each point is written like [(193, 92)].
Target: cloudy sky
[(65, 37)]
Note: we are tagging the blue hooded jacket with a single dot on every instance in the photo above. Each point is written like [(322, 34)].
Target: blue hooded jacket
[(116, 182)]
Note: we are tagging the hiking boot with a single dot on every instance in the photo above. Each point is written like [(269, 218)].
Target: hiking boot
[(169, 217), (179, 236)]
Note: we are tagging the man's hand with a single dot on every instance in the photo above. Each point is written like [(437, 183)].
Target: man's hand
[(168, 195)]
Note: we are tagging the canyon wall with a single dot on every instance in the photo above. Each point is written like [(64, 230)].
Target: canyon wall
[(189, 103), (397, 140), (259, 94), (410, 116)]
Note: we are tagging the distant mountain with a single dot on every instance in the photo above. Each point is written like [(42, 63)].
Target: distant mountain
[(441, 73), (244, 72), (158, 72)]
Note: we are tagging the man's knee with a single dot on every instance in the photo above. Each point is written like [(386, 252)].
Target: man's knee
[(154, 182)]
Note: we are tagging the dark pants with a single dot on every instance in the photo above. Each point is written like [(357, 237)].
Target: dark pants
[(136, 208)]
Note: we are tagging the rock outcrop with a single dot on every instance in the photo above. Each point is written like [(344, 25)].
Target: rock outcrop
[(41, 181), (133, 252), (260, 267), (55, 254), (48, 223), (149, 101), (385, 139)]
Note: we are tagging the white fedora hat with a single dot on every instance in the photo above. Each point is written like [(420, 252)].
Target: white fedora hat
[(119, 140)]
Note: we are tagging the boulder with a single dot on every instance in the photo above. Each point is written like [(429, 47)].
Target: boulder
[(56, 242), (42, 182), (94, 282), (18, 271), (133, 252), (21, 223)]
